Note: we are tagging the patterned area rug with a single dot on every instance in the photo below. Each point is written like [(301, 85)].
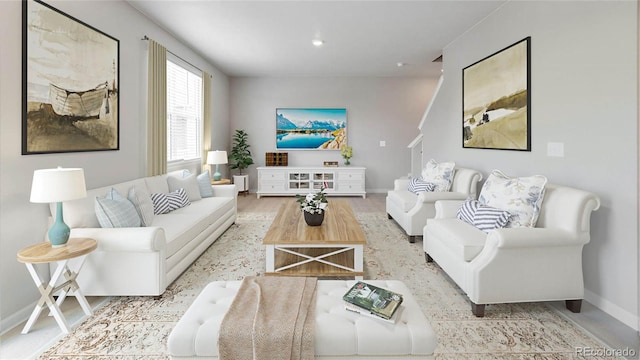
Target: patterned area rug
[(138, 327)]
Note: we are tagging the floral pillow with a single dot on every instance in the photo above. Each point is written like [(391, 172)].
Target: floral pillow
[(520, 196), (439, 174)]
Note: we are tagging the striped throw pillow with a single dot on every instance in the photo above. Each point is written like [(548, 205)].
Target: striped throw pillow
[(467, 211), (417, 185), (160, 203), (487, 218), (178, 199)]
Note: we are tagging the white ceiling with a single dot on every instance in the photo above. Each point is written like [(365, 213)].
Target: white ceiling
[(362, 38)]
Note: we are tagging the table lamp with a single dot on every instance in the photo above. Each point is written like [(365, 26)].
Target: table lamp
[(216, 158), (58, 185)]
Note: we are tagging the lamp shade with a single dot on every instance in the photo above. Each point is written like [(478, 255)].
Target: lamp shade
[(55, 185), (217, 157)]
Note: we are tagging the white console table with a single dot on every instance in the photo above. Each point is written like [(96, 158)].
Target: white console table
[(292, 180)]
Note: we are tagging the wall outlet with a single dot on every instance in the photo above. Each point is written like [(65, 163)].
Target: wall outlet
[(383, 143)]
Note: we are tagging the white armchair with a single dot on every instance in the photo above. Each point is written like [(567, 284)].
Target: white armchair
[(512, 265), (411, 211)]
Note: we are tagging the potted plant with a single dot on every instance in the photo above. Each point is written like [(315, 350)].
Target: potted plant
[(240, 158), (313, 206)]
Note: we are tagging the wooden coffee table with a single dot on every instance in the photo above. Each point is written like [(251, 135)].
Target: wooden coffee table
[(333, 249)]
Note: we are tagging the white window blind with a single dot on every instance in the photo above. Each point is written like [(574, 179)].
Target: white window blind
[(184, 110)]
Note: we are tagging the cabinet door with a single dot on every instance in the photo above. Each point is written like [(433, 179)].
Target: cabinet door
[(324, 180)]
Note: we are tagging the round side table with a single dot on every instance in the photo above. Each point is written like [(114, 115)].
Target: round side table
[(76, 248)]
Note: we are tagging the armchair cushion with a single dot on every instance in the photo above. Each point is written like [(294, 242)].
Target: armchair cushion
[(439, 174), (404, 199), (417, 185), (520, 196), (466, 241)]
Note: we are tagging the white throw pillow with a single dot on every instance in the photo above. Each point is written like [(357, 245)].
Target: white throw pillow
[(141, 200), (188, 183), (520, 196), (114, 210), (439, 174)]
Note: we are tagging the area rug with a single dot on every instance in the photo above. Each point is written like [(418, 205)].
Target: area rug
[(138, 327)]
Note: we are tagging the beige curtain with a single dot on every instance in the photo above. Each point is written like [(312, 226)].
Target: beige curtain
[(206, 117), (157, 110)]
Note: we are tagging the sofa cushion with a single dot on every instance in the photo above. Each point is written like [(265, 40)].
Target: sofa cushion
[(404, 199), (141, 200), (439, 174), (520, 196), (189, 183), (462, 239), (114, 211), (178, 199), (417, 185), (183, 225)]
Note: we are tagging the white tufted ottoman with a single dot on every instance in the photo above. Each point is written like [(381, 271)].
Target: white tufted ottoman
[(338, 335)]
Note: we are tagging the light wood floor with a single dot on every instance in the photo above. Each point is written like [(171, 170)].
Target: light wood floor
[(250, 203)]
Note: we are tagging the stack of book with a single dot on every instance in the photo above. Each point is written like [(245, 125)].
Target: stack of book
[(374, 301)]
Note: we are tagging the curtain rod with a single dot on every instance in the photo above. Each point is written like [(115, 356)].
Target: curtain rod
[(174, 54)]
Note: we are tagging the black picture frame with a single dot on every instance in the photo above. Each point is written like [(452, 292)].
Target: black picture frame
[(70, 79), (496, 100)]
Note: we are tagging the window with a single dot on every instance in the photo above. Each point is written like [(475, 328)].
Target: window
[(184, 110)]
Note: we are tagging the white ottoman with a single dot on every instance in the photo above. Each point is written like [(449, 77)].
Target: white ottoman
[(339, 334)]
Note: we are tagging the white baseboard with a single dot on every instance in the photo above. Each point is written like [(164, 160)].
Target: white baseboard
[(624, 316), (18, 317)]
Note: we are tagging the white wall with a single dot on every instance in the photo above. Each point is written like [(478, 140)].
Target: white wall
[(23, 223), (584, 94), (378, 109)]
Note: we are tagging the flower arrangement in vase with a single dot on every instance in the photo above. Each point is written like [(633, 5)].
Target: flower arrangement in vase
[(347, 154), (313, 206)]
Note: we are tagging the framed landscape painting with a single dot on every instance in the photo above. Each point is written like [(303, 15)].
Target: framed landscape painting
[(70, 83), (496, 97), (311, 129)]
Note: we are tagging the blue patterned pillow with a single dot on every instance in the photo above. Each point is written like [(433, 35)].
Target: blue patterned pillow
[(165, 203), (487, 218), (178, 199), (417, 185), (114, 210), (160, 203), (467, 210), (204, 184)]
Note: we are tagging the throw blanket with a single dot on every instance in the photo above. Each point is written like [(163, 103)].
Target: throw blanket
[(271, 318)]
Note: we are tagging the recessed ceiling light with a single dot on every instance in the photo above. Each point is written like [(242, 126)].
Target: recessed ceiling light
[(317, 42), (400, 64)]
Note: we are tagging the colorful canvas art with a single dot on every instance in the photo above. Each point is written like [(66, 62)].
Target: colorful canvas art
[(311, 129)]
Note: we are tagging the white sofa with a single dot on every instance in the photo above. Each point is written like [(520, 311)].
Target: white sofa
[(411, 211), (145, 260), (510, 265)]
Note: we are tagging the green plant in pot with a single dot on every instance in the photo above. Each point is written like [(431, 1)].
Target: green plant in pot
[(240, 155)]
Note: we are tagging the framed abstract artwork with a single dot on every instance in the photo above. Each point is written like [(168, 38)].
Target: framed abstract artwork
[(496, 100), (70, 84), (311, 128)]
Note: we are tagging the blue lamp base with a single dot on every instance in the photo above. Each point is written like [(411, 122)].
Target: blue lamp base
[(216, 175), (59, 231)]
